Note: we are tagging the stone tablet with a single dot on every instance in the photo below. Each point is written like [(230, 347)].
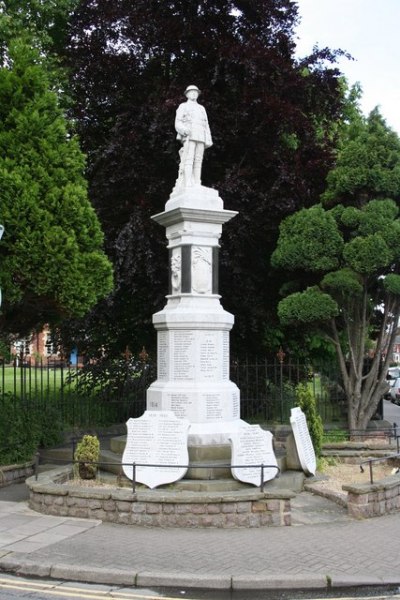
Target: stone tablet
[(252, 446), (156, 438), (304, 445)]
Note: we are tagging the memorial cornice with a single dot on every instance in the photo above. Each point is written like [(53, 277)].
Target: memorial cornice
[(200, 215)]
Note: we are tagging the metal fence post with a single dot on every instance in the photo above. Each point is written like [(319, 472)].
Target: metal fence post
[(37, 460), (133, 478), (262, 478), (396, 436)]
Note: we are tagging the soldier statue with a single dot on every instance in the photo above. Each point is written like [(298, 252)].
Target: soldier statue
[(193, 131)]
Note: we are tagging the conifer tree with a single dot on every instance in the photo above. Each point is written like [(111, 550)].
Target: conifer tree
[(52, 263)]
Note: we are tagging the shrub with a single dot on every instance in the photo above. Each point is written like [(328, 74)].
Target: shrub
[(88, 449), (24, 428), (19, 432), (305, 399)]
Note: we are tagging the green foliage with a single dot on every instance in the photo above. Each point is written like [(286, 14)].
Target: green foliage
[(371, 250), (336, 436), (368, 163), (308, 240), (392, 284), (52, 262), (326, 461), (360, 273), (45, 20), (24, 428), (321, 352), (367, 255), (306, 401), (88, 449), (343, 283), (309, 306), (19, 432)]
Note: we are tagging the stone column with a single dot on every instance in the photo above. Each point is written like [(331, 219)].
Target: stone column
[(193, 328)]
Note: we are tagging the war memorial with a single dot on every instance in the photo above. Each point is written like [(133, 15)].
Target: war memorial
[(197, 462)]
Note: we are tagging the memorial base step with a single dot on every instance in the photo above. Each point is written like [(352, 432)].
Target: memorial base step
[(209, 486), (117, 444), (215, 455), (216, 461), (211, 469), (287, 480), (196, 452)]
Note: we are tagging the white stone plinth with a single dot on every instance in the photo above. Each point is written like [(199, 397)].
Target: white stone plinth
[(193, 328)]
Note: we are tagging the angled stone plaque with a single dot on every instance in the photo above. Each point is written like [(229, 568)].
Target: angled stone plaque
[(304, 445), (252, 446), (156, 438)]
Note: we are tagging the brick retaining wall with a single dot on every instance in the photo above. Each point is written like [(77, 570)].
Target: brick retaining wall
[(52, 495), (373, 499)]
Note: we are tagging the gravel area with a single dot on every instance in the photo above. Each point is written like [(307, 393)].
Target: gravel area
[(342, 474)]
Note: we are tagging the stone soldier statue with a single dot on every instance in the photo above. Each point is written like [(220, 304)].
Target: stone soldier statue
[(193, 131)]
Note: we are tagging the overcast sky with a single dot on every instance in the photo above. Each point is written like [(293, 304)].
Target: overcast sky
[(370, 31)]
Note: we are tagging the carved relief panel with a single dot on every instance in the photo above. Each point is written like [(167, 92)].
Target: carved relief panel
[(201, 270), (176, 271)]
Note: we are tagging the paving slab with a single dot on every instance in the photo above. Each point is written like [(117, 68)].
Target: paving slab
[(323, 547)]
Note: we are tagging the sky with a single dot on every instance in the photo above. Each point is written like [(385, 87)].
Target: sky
[(370, 31)]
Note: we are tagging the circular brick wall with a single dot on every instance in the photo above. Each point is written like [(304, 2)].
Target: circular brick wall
[(50, 494)]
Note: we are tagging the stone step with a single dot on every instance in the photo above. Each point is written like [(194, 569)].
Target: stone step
[(287, 480), (217, 456), (63, 455), (290, 480), (210, 485), (215, 469), (117, 444), (196, 453), (204, 454)]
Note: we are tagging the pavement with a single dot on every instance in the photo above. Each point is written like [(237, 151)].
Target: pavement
[(323, 548)]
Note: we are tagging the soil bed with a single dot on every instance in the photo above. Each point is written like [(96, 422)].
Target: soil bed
[(343, 473)]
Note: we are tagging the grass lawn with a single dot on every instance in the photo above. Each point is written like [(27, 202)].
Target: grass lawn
[(31, 381)]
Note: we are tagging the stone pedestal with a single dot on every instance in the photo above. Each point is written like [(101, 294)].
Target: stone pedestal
[(193, 328)]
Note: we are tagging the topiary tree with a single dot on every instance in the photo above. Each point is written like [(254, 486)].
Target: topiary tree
[(345, 261)]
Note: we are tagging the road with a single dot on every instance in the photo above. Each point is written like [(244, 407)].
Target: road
[(391, 413), (17, 588)]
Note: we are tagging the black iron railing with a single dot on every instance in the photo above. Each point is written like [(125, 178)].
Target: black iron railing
[(104, 394), (134, 465)]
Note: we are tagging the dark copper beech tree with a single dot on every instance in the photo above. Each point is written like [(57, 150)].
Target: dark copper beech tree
[(271, 117)]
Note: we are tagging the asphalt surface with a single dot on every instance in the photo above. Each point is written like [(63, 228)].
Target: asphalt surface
[(323, 548)]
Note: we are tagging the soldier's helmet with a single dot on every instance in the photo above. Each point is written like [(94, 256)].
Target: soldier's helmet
[(190, 88)]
